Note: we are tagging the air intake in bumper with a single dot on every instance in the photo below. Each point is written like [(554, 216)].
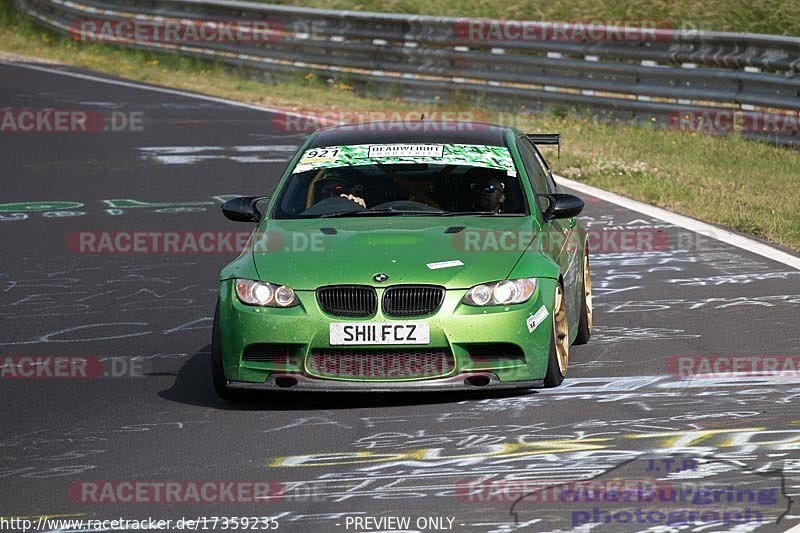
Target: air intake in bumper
[(279, 354), (381, 364)]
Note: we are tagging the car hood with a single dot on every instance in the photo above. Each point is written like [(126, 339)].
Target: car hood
[(307, 254)]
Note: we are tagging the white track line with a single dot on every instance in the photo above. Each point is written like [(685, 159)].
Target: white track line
[(707, 230), (143, 87)]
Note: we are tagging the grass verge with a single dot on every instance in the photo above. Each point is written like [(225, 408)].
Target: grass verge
[(776, 17), (747, 186)]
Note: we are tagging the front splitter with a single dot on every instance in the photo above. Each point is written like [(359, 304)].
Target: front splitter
[(474, 381)]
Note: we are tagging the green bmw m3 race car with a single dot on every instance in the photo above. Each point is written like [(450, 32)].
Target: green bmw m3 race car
[(398, 259)]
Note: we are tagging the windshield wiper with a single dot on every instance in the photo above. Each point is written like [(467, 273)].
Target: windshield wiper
[(481, 214), (415, 212), (378, 212), (467, 213), (340, 213)]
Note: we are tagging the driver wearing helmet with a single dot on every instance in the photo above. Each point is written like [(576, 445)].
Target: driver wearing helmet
[(487, 190)]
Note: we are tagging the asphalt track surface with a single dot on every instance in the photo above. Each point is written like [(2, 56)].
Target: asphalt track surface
[(330, 459)]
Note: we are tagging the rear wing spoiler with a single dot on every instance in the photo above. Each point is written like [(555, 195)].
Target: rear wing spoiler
[(546, 138)]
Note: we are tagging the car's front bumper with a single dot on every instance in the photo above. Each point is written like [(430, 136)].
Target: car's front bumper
[(455, 327), (459, 382)]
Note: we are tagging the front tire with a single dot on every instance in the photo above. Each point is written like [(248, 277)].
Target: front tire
[(217, 369), (585, 320), (558, 359)]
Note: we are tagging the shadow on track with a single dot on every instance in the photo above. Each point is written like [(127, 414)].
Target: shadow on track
[(193, 387)]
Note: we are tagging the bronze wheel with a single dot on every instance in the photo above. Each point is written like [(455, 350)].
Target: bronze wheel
[(561, 331), (585, 318), (587, 290)]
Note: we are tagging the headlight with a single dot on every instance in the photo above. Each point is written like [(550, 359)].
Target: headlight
[(509, 291), (265, 294)]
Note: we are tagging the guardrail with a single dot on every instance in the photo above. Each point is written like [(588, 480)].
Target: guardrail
[(684, 79)]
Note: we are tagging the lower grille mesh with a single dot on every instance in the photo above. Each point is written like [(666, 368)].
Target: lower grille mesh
[(377, 364)]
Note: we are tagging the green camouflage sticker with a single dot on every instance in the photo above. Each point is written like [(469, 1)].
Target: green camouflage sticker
[(475, 155)]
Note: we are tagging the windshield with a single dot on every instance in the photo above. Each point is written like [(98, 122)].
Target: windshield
[(400, 180)]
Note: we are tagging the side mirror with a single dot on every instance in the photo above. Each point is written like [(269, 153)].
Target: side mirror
[(243, 208), (563, 206)]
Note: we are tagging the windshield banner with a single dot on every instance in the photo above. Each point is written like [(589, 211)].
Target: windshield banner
[(475, 155)]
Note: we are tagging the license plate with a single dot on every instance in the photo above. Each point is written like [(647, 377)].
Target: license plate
[(379, 333)]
